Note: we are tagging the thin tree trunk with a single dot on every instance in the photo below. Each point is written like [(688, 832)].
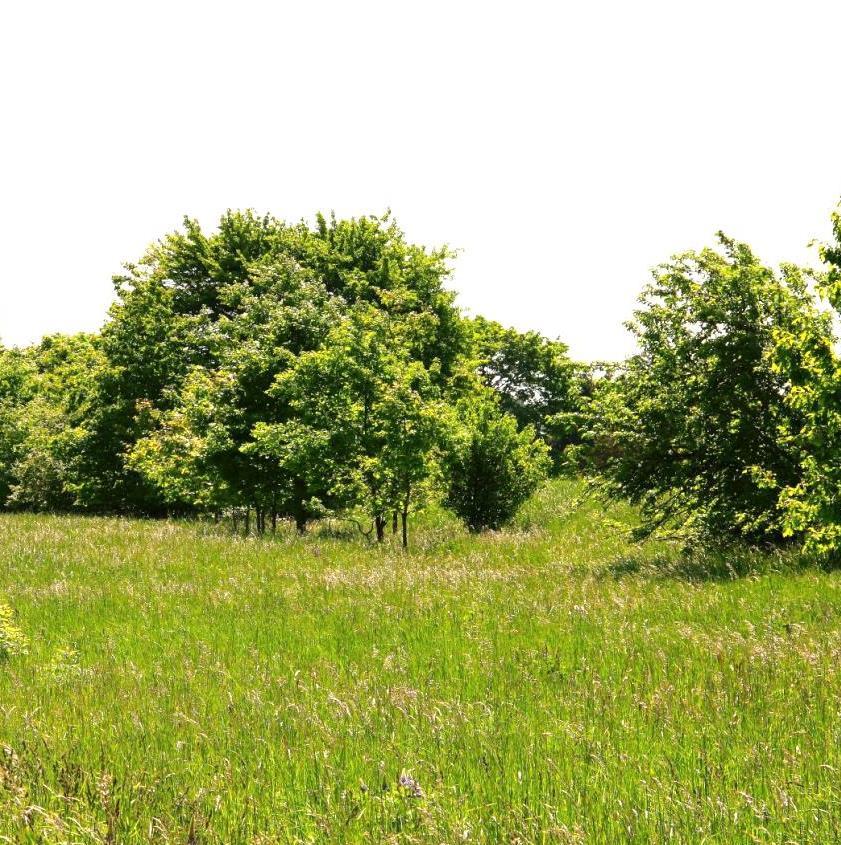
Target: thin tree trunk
[(394, 522), (301, 514), (248, 521), (379, 522), (404, 516)]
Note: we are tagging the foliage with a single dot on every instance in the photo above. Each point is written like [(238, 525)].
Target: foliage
[(808, 358), (704, 437), (47, 415), (17, 388), (536, 380), (203, 301), (181, 455), (296, 370), (201, 450), (282, 369), (492, 467), (366, 418)]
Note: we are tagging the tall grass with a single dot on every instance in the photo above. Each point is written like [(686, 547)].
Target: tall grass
[(546, 684)]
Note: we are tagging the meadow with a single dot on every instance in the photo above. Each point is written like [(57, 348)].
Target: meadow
[(548, 683)]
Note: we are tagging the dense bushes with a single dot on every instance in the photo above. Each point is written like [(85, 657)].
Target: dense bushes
[(727, 422)]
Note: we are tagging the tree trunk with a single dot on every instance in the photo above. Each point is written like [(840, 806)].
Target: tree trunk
[(404, 516), (299, 490), (379, 522), (248, 521), (394, 522)]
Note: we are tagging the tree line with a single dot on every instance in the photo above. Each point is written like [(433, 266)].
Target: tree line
[(271, 371), (267, 370)]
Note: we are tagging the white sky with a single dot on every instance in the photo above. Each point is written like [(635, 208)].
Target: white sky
[(564, 147)]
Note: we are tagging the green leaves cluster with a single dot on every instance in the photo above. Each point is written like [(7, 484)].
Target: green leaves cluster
[(492, 466), (808, 357)]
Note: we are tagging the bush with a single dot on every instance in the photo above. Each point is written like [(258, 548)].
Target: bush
[(492, 467), (808, 357)]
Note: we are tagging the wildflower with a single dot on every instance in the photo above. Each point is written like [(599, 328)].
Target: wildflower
[(411, 785), (12, 639)]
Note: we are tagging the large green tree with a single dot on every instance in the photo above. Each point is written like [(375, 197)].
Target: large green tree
[(176, 310), (702, 435)]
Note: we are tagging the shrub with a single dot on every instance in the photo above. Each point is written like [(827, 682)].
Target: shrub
[(492, 467)]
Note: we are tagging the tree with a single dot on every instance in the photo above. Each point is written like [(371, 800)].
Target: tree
[(537, 382), (698, 419), (180, 307), (366, 418), (807, 357), (200, 450), (48, 419), (491, 466), (17, 388)]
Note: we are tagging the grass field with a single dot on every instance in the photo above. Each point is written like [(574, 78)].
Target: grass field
[(548, 684)]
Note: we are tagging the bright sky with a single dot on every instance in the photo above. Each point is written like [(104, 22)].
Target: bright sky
[(563, 147)]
